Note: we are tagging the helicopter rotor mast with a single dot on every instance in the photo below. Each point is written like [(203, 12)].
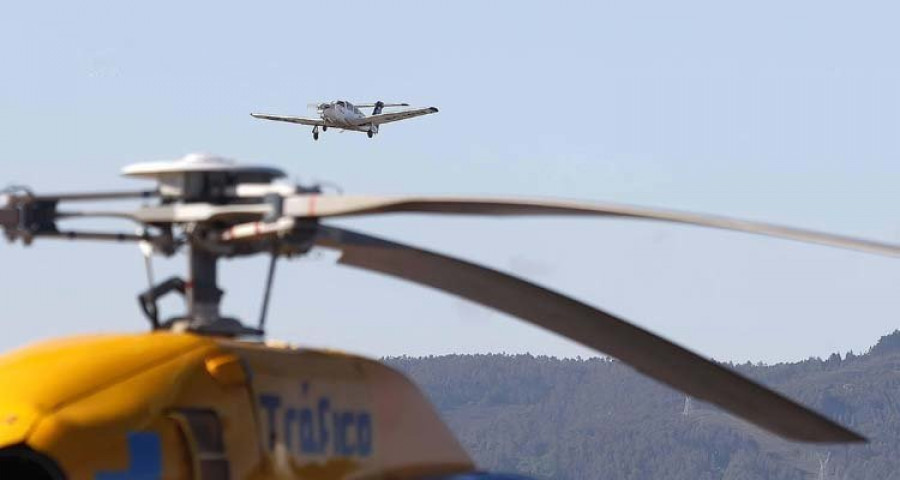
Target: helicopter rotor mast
[(204, 196)]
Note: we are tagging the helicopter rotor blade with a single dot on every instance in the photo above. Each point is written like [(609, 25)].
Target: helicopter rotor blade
[(322, 206), (650, 354), (316, 206)]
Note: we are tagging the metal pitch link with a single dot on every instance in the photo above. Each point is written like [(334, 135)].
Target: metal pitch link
[(98, 196), (27, 219), (147, 299), (24, 215)]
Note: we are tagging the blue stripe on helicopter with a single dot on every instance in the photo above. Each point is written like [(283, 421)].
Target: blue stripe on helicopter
[(145, 455)]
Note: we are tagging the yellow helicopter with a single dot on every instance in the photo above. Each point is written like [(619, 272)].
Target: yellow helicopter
[(204, 396)]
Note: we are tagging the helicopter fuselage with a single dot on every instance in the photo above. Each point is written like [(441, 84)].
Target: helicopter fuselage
[(170, 405)]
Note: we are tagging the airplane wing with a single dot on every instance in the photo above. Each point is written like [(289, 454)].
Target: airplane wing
[(395, 116), (313, 122)]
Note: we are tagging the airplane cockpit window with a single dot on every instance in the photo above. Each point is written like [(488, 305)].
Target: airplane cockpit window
[(341, 103)]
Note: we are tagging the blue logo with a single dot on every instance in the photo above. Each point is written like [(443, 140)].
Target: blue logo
[(145, 457), (317, 426)]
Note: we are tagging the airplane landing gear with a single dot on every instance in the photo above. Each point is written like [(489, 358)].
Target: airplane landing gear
[(316, 132), (324, 128), (370, 134)]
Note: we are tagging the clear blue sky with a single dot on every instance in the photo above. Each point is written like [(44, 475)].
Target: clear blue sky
[(784, 112)]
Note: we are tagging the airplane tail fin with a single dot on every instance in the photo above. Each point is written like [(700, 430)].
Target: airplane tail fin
[(379, 106)]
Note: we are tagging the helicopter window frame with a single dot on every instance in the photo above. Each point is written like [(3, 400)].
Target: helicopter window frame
[(202, 429)]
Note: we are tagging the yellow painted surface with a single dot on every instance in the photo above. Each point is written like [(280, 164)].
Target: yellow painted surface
[(384, 423), (51, 374), (228, 370), (16, 420), (80, 400), (114, 386)]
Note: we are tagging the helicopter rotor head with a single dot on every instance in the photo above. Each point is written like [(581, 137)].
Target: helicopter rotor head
[(218, 209)]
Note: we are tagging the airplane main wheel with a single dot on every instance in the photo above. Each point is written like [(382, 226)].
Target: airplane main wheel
[(324, 128), (315, 135), (370, 134)]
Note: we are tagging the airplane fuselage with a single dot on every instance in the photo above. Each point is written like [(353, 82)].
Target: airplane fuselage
[(342, 115)]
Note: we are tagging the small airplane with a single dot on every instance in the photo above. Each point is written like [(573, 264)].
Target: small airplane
[(347, 116)]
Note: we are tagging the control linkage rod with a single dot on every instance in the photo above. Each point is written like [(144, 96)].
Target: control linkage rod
[(98, 196), (27, 216)]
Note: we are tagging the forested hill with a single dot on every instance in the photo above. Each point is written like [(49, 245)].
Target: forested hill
[(598, 419)]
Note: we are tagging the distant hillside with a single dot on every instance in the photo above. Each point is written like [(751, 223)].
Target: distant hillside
[(598, 419)]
